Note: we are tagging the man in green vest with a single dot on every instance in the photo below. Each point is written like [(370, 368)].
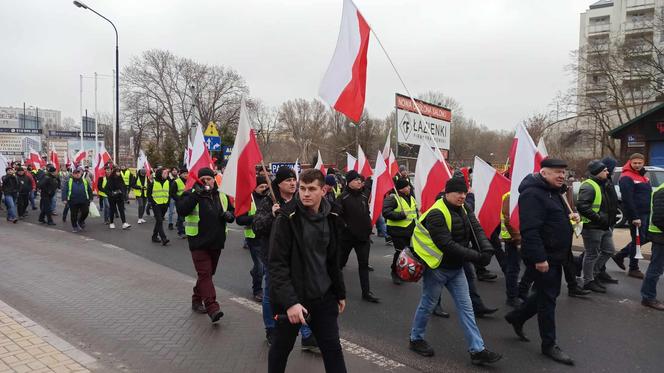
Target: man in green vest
[(597, 204), (442, 239), (656, 266), (158, 195), (206, 214), (400, 211), (176, 191), (127, 178), (140, 187), (253, 242), (78, 194)]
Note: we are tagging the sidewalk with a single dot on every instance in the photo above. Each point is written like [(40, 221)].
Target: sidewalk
[(134, 315)]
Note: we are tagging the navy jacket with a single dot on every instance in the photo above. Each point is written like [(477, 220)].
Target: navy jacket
[(635, 191), (78, 195), (546, 232)]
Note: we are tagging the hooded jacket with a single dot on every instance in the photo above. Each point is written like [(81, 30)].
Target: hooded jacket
[(49, 185), (354, 212), (546, 232), (212, 225), (635, 191), (263, 220), (606, 217), (10, 185)]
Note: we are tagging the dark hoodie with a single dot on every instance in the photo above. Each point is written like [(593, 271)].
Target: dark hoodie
[(263, 220), (606, 217), (546, 232), (635, 191)]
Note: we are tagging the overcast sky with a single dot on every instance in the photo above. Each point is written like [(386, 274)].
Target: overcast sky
[(501, 59)]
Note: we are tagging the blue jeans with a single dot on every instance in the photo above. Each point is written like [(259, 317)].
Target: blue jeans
[(54, 204), (630, 249), (105, 208), (10, 203), (381, 227), (268, 318), (258, 269), (455, 282), (171, 210), (32, 200), (655, 270)]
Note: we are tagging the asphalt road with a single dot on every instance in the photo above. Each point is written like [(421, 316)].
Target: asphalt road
[(604, 333)]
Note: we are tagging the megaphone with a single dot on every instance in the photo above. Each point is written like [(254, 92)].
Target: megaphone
[(638, 254)]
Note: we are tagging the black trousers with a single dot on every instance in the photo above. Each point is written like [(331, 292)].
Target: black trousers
[(362, 252), (542, 302), (45, 209), (323, 323), (79, 212), (159, 213), (22, 204), (399, 244), (117, 205)]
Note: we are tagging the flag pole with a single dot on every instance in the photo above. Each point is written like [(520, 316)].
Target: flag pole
[(269, 183)]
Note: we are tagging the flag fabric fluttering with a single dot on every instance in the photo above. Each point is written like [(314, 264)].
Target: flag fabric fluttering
[(68, 161), (103, 157), (53, 158), (351, 162), (79, 157), (199, 157), (344, 85), (489, 187), (143, 163), (363, 165), (394, 166), (239, 179), (35, 158), (4, 163), (525, 161), (431, 174), (319, 164), (297, 169), (382, 184)]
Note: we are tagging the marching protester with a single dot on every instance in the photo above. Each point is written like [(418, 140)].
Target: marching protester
[(511, 237), (306, 284), (400, 211), (441, 239), (48, 186), (258, 270), (356, 230), (78, 195), (635, 191), (546, 243), (24, 191), (10, 187), (31, 176), (284, 186), (206, 213), (330, 188), (173, 176), (115, 191), (140, 187), (104, 204), (127, 178), (656, 266), (598, 205), (158, 191), (176, 190)]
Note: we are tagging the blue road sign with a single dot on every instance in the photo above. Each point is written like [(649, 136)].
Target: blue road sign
[(213, 142)]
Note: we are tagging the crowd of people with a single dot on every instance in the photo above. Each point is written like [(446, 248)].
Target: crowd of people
[(301, 229)]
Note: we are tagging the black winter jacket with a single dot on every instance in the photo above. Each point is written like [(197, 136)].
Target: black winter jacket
[(389, 205), (245, 219), (546, 232), (263, 221), (10, 185), (49, 185), (24, 184), (456, 244), (608, 209), (115, 187), (657, 216), (354, 212), (286, 267), (212, 224)]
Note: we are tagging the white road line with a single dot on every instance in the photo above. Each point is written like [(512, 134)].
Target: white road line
[(350, 347)]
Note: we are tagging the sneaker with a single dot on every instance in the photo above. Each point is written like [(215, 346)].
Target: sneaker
[(126, 225), (310, 344), (604, 278), (215, 317), (421, 347), (369, 297), (556, 354), (577, 292), (636, 273), (112, 226), (170, 227), (438, 311), (156, 240), (76, 230), (484, 357), (370, 268), (165, 242), (486, 276), (258, 297), (141, 221), (198, 307), (654, 304), (594, 286)]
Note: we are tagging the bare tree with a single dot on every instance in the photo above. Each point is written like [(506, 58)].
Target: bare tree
[(304, 124), (265, 121)]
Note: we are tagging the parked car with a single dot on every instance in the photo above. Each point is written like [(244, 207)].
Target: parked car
[(655, 174)]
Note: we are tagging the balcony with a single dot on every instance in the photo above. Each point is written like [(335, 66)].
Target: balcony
[(640, 4), (640, 25), (599, 28), (596, 88)]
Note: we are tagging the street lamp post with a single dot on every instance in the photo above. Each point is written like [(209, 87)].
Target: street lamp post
[(116, 137)]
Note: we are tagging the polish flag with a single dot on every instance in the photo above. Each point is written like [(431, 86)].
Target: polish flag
[(80, 157), (431, 174), (103, 157), (390, 159), (67, 161), (363, 165), (143, 163), (382, 184), (541, 148), (239, 179), (344, 84), (35, 158), (188, 152), (297, 169), (351, 163), (489, 187), (319, 164), (53, 157), (199, 157), (393, 165), (525, 161)]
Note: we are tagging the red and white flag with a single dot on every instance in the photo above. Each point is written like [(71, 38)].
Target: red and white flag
[(390, 159), (541, 148), (363, 165), (431, 174), (200, 157), (143, 163), (525, 161), (53, 158), (187, 153), (351, 163), (319, 164), (240, 175), (103, 157), (344, 84), (393, 165), (489, 187), (67, 160), (297, 169), (80, 157), (35, 158), (382, 184)]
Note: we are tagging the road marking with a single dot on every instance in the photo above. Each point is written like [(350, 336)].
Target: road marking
[(350, 347)]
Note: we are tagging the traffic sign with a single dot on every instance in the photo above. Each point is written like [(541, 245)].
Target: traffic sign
[(211, 130), (213, 142)]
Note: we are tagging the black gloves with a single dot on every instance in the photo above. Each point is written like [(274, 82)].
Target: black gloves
[(485, 258), (228, 217), (402, 216)]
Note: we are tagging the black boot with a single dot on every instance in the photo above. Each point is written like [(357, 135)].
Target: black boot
[(517, 325), (421, 347), (484, 357), (555, 353)]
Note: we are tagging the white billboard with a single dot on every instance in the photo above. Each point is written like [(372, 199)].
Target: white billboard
[(411, 129)]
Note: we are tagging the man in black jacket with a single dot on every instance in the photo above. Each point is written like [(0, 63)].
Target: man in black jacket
[(24, 191), (442, 240), (354, 212), (306, 283), (400, 213), (546, 244), (10, 190), (206, 214), (48, 186), (656, 266), (597, 206)]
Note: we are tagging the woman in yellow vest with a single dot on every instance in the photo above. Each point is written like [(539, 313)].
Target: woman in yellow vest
[(158, 195), (177, 189), (206, 214)]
